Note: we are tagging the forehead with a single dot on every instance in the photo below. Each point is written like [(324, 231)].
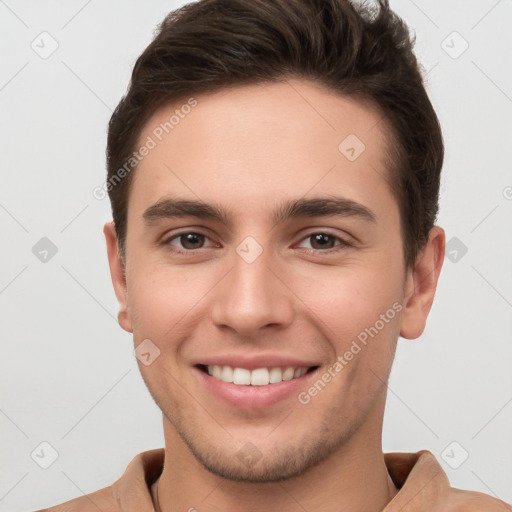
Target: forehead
[(256, 144)]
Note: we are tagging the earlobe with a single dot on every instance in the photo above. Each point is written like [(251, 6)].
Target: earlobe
[(117, 272), (421, 285)]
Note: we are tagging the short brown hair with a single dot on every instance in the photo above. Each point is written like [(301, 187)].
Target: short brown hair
[(351, 49)]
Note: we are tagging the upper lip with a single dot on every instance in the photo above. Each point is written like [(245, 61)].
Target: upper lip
[(254, 362)]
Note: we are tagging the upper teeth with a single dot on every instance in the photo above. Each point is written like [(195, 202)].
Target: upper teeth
[(258, 377)]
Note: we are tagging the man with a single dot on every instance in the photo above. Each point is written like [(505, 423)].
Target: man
[(274, 175)]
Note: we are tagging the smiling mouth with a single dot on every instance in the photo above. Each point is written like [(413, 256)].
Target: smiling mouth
[(256, 377)]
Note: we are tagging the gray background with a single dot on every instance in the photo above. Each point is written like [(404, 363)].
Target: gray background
[(68, 373)]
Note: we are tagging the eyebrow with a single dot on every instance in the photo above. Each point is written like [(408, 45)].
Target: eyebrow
[(315, 207)]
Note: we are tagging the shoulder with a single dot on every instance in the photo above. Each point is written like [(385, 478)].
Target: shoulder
[(104, 500), (129, 493), (423, 485), (469, 501)]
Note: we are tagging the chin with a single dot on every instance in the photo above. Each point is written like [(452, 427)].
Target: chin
[(274, 463)]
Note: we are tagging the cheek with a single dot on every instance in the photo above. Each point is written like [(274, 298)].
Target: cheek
[(348, 299), (358, 310), (158, 298), (361, 319), (167, 303)]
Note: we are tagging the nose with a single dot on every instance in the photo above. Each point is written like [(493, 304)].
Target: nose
[(251, 297)]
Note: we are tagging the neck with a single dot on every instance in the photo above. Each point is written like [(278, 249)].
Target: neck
[(354, 478)]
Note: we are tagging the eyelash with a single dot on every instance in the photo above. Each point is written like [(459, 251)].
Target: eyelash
[(343, 244)]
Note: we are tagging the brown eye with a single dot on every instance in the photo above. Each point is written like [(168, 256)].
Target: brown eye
[(192, 240), (187, 241), (324, 242)]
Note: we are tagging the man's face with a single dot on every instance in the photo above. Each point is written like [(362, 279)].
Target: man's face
[(265, 292)]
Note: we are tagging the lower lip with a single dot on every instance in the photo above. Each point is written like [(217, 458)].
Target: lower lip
[(253, 397)]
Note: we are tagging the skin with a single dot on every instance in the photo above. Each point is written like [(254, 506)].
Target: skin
[(246, 150)]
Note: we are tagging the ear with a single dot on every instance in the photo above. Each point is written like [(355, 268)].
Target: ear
[(117, 272), (421, 284)]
